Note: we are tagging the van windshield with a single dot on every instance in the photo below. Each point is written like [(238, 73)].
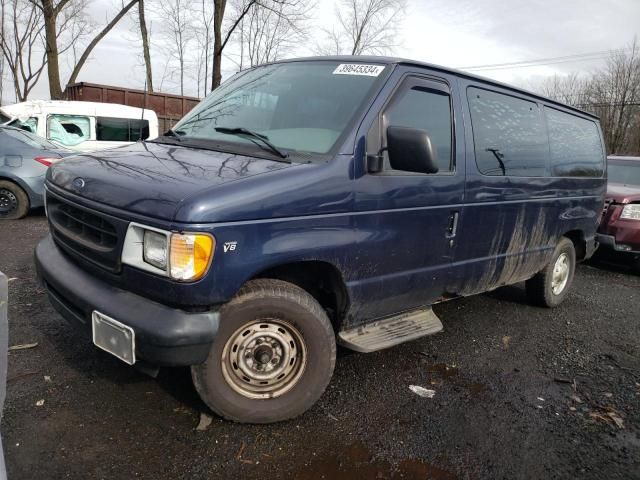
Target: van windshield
[(299, 107), (625, 173)]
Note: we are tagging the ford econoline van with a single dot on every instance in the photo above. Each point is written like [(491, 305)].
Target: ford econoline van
[(312, 202), (83, 126)]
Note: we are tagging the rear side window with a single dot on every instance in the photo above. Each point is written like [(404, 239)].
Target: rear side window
[(121, 129), (508, 134), (576, 150), (426, 110), (68, 130)]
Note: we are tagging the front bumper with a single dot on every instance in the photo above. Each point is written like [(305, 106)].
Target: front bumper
[(164, 335), (609, 241)]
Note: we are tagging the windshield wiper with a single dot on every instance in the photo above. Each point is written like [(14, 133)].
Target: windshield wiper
[(258, 136), (173, 133)]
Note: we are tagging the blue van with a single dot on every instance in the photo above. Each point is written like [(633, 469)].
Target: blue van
[(317, 201)]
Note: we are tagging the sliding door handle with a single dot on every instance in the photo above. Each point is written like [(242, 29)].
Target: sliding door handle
[(452, 229)]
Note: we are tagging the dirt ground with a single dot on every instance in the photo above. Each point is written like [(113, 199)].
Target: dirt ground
[(521, 392)]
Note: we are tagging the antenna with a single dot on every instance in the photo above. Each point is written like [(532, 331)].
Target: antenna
[(144, 102)]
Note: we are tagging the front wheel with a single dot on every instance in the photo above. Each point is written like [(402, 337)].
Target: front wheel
[(549, 287), (14, 202), (273, 355)]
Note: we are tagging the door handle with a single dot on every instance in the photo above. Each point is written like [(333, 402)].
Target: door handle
[(452, 229)]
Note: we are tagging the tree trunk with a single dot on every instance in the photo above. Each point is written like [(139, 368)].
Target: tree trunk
[(85, 55), (206, 48), (53, 68), (145, 45), (216, 73)]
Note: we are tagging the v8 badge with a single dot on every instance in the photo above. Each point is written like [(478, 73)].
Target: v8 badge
[(230, 246)]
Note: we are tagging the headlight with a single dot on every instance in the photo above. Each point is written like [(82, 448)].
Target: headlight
[(181, 256), (631, 212), (155, 249)]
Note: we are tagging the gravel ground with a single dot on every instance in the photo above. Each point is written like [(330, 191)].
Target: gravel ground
[(521, 392)]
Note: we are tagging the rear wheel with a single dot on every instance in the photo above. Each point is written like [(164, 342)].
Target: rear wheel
[(273, 355), (14, 202), (549, 287)]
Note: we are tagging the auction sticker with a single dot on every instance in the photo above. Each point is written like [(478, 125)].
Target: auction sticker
[(358, 69)]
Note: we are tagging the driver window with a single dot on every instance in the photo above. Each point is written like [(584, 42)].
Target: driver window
[(427, 110)]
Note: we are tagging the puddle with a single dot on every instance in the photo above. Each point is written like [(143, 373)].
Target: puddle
[(477, 388), (356, 462), (439, 372), (444, 370)]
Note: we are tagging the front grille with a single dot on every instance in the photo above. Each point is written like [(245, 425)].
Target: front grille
[(83, 232), (92, 228)]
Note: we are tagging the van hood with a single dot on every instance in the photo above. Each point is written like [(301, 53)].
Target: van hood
[(620, 193), (153, 179)]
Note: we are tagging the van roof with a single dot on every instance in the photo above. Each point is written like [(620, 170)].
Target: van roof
[(33, 107), (459, 73)]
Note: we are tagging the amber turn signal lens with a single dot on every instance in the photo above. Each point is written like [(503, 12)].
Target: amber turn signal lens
[(190, 255)]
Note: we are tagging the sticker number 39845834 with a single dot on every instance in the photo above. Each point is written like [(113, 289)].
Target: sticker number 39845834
[(358, 69)]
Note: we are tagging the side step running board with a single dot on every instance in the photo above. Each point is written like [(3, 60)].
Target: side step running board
[(391, 331)]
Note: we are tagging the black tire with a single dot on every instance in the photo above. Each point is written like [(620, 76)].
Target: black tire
[(540, 289), (265, 301), (14, 201)]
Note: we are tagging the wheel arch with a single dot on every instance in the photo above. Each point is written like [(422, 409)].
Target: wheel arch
[(579, 241), (20, 183), (322, 280)]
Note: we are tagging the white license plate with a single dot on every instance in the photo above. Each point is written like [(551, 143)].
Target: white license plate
[(114, 337)]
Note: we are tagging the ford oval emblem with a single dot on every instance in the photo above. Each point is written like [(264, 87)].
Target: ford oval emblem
[(78, 183)]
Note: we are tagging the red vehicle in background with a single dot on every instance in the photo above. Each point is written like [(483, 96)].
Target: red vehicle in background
[(619, 229)]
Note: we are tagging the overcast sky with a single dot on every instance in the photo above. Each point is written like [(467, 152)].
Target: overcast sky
[(456, 33)]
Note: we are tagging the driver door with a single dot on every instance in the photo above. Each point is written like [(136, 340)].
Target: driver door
[(407, 220)]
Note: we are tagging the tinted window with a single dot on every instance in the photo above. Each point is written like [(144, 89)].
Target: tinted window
[(576, 150), (625, 173), (508, 134), (134, 130), (121, 129), (4, 118), (426, 110)]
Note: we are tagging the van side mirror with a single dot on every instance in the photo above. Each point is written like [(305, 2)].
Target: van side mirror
[(411, 150)]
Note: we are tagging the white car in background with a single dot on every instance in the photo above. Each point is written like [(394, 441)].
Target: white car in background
[(82, 126)]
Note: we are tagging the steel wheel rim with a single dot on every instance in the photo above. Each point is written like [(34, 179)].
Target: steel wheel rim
[(560, 275), (8, 202), (264, 358)]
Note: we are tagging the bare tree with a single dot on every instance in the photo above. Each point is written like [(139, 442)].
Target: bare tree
[(612, 93), (571, 89), (221, 39), (269, 30), (177, 28), (204, 32), (57, 14), (364, 27), (22, 44), (2, 74), (144, 35)]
